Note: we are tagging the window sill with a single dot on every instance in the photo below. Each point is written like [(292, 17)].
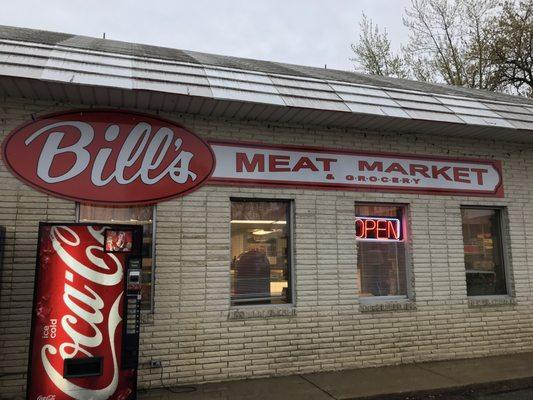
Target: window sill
[(263, 312), (490, 301), (384, 305)]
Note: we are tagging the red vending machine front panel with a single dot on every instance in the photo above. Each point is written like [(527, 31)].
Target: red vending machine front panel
[(80, 313)]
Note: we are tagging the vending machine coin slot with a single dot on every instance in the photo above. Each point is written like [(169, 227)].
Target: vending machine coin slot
[(134, 279)]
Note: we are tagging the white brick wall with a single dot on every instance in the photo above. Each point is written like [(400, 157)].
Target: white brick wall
[(190, 330)]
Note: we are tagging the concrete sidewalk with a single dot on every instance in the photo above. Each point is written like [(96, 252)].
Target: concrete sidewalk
[(359, 383)]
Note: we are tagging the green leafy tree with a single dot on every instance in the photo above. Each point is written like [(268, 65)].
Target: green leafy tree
[(480, 71), (484, 44), (511, 45), (447, 43), (373, 52)]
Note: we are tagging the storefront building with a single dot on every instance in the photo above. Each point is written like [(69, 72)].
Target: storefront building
[(317, 219)]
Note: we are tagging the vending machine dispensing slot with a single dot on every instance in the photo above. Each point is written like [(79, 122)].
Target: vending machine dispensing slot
[(80, 367)]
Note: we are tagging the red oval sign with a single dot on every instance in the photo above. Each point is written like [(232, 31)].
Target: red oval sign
[(108, 157)]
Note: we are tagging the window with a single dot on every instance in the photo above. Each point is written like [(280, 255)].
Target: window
[(381, 249), (260, 252), (484, 261), (129, 215)]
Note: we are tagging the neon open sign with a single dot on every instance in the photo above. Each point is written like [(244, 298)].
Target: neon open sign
[(378, 228)]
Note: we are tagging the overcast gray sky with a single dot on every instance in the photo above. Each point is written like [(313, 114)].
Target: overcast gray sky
[(307, 32)]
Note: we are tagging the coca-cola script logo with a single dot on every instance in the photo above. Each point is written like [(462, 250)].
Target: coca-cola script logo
[(83, 289), (108, 157)]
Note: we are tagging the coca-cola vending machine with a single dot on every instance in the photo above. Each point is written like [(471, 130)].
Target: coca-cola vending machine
[(86, 309)]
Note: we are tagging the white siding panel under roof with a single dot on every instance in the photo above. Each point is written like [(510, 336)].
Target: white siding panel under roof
[(307, 93), (82, 78), (512, 116), (296, 82), (475, 120), (102, 70), (422, 105), (364, 108), (10, 49), (20, 69), (434, 116), (166, 77), (252, 87), (176, 88), (458, 102), (318, 104), (85, 58), (224, 93), (234, 75), (358, 89), (410, 96), (522, 125), (480, 112), (194, 71), (395, 112), (359, 98), (512, 108), (208, 81)]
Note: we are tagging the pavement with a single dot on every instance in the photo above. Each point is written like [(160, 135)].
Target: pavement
[(508, 377)]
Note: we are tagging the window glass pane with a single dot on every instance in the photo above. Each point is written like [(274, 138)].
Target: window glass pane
[(128, 215), (485, 272), (381, 250), (260, 261)]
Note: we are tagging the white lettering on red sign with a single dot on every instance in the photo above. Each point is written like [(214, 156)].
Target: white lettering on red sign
[(320, 168), (129, 153)]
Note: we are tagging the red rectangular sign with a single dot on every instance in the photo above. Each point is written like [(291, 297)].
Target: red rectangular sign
[(300, 166)]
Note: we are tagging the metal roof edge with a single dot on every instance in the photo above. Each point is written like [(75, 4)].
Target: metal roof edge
[(277, 89), (253, 72)]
